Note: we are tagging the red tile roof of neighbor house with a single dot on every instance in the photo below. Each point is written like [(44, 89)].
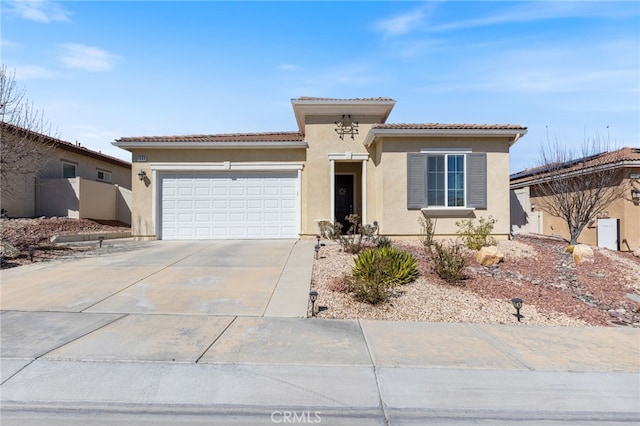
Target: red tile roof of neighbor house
[(445, 126), (621, 157), (58, 143), (226, 137)]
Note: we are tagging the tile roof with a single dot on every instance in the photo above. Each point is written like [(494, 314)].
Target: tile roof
[(443, 126), (68, 146), (224, 137), (311, 98), (619, 156)]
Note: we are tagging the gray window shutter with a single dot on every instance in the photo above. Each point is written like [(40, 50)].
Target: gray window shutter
[(416, 181), (477, 180)]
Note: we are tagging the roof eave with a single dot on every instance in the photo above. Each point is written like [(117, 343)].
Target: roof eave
[(537, 178), (129, 145), (376, 107), (374, 134)]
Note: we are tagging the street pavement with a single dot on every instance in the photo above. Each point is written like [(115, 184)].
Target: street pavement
[(216, 333)]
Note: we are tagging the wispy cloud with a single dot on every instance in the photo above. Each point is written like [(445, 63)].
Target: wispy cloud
[(38, 10), (33, 72), (401, 24), (88, 58), (288, 67), (541, 11)]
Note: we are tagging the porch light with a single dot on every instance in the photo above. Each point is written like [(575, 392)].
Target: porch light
[(142, 174), (517, 303), (346, 126), (313, 296)]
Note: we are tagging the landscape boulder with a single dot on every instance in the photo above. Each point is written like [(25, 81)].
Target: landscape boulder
[(8, 251), (582, 253), (636, 253), (488, 256)]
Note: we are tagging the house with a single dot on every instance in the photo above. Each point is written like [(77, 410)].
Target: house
[(617, 227), (343, 159), (46, 176)]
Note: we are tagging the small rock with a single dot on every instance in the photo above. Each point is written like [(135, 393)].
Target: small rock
[(581, 253), (613, 313), (489, 256), (8, 251), (636, 252)]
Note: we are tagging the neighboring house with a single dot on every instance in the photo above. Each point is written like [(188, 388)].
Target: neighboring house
[(617, 227), (343, 159), (70, 180)]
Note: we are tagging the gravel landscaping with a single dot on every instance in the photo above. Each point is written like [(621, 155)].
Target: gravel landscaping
[(536, 269)]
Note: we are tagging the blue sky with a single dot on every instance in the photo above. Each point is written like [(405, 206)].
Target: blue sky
[(104, 70)]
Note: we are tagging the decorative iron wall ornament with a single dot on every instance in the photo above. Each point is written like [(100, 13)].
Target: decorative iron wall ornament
[(346, 126)]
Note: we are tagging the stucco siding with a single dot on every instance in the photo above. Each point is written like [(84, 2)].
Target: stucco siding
[(623, 209), (391, 207)]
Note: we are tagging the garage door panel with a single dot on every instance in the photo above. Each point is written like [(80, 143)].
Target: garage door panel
[(203, 204), (288, 204), (229, 205)]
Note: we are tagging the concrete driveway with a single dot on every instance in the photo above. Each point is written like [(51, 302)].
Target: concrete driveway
[(234, 278)]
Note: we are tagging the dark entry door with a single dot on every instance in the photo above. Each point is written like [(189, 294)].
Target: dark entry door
[(343, 199)]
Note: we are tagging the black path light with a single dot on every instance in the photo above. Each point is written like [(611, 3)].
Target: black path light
[(517, 303), (313, 296), (317, 247), (101, 239)]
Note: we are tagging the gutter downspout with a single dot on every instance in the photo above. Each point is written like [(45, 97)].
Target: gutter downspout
[(518, 135)]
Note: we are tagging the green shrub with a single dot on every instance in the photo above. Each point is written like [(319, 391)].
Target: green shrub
[(376, 271), (476, 236), (449, 261), (383, 242), (427, 231)]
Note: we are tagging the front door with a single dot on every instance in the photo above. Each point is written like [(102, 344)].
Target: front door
[(343, 199)]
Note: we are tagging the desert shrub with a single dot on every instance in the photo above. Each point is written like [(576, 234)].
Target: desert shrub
[(476, 236), (357, 237), (376, 271), (338, 285), (449, 261), (383, 242), (427, 231)]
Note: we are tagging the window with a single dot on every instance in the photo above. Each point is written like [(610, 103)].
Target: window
[(446, 180), (68, 170), (104, 176)]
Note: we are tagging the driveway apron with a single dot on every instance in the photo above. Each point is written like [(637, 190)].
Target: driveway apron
[(187, 277)]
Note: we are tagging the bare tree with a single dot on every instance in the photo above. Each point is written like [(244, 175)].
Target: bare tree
[(24, 140), (578, 184)]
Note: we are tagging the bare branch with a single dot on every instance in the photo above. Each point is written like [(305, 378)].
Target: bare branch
[(24, 140), (577, 185)]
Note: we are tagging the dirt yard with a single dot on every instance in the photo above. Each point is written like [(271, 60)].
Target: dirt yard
[(539, 270), (35, 234)]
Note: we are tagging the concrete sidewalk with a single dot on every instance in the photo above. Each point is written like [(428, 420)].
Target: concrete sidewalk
[(105, 356), (245, 369)]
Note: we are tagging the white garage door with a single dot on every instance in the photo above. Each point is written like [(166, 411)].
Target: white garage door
[(229, 205)]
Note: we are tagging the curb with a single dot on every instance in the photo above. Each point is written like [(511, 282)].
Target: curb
[(89, 237)]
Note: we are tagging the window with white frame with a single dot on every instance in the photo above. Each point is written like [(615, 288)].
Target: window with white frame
[(68, 170), (104, 176), (446, 180)]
